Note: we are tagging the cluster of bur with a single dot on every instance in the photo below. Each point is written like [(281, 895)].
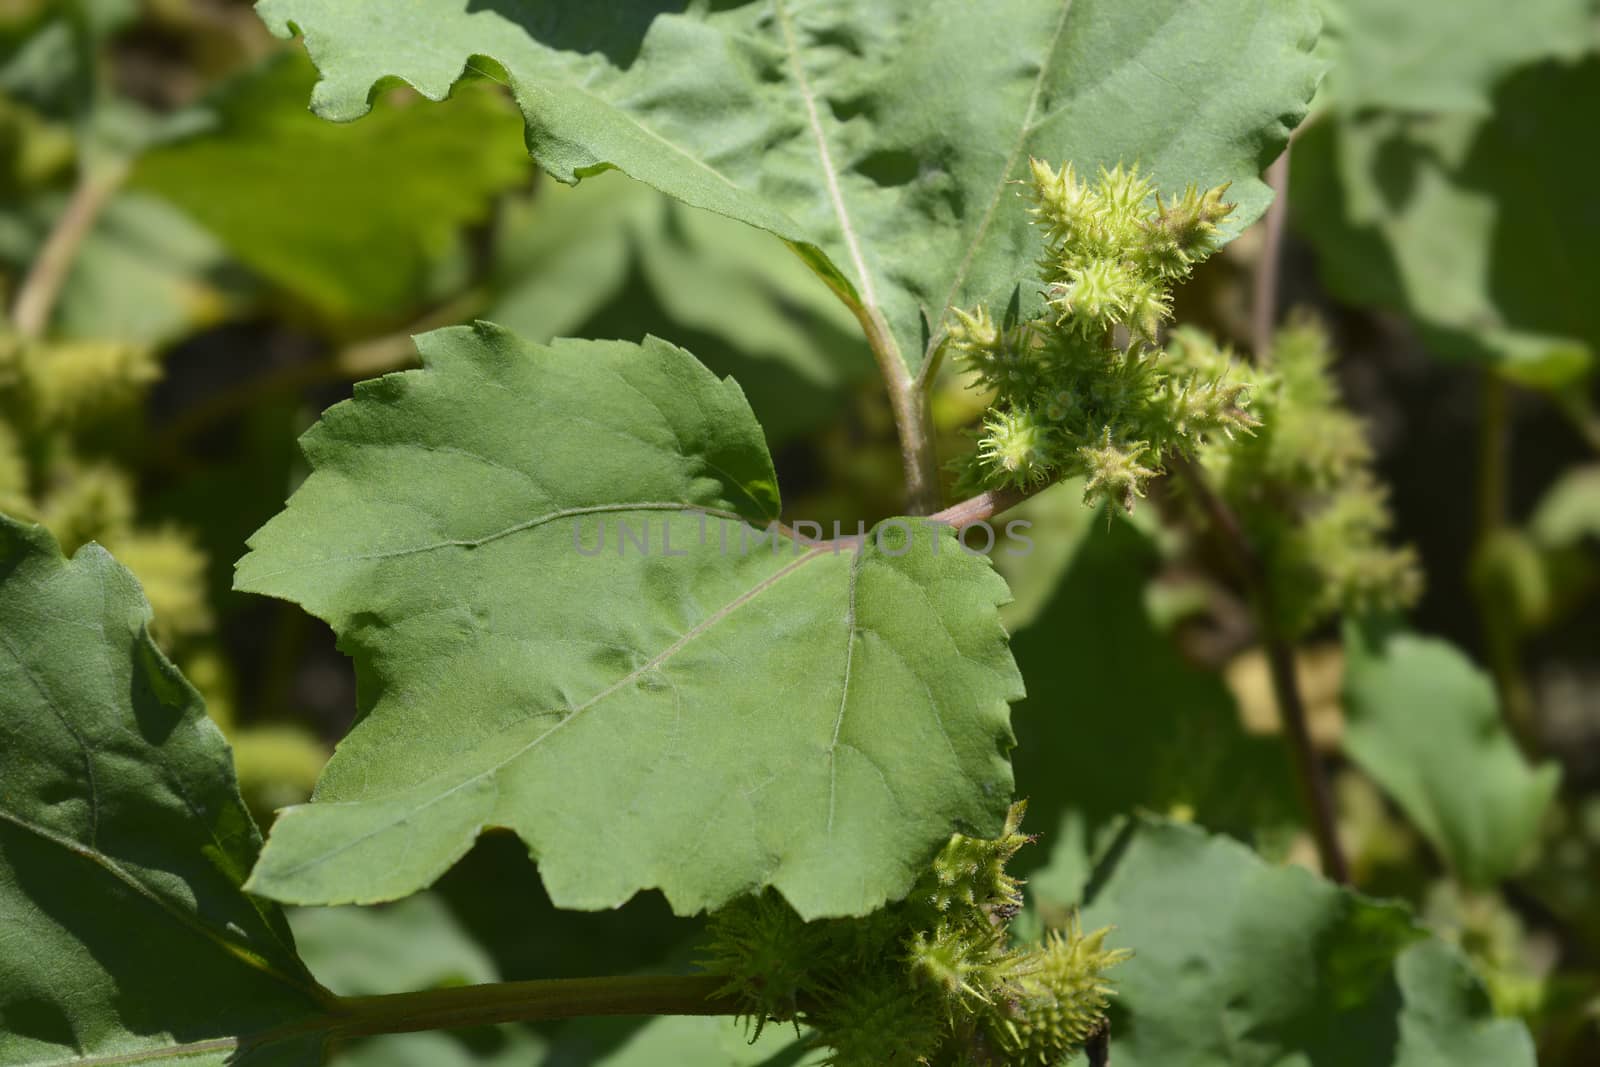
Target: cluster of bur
[(64, 407), (932, 979), (1303, 485), (1084, 389)]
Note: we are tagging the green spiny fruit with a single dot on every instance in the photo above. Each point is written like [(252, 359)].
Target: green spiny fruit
[(873, 1019), (1016, 447), (971, 871), (1082, 389), (931, 979), (1302, 482), (1115, 472), (71, 381), (766, 951), (1063, 999)]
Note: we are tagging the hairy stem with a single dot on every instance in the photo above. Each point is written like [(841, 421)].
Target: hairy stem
[(1315, 791), (908, 400), (36, 296), (1264, 300), (908, 393), (986, 505), (511, 1002)]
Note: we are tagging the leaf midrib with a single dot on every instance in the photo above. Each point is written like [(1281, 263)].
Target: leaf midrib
[(829, 172), (190, 1048), (243, 953)]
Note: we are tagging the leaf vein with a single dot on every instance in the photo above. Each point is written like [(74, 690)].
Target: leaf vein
[(1023, 131)]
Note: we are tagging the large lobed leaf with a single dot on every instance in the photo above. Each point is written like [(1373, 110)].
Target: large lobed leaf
[(1426, 724), (1241, 964), (695, 717), (879, 136), (124, 936)]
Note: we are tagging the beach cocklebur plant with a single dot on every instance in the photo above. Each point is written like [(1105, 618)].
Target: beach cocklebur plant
[(810, 744)]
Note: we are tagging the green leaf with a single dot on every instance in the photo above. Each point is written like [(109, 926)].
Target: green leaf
[(352, 221), (1569, 512), (615, 258), (692, 717), (413, 944), (881, 137), (123, 840), (680, 1039), (1117, 721), (1426, 725), (1480, 231), (1242, 964), (1441, 55)]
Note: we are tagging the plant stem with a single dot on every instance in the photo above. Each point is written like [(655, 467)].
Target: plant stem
[(1264, 302), (1315, 791), (1500, 625), (908, 400), (908, 393), (986, 505), (511, 1002), (36, 296)]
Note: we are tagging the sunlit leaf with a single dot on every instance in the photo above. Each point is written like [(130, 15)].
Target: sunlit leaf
[(691, 711)]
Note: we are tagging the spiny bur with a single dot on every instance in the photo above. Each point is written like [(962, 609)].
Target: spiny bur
[(1083, 389), (1303, 485), (933, 979)]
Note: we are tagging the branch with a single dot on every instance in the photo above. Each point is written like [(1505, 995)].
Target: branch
[(1264, 302), (1315, 791), (1501, 629), (513, 1002), (36, 296), (987, 505)]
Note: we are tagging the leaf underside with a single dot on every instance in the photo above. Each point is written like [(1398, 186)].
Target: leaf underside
[(879, 138), (708, 716)]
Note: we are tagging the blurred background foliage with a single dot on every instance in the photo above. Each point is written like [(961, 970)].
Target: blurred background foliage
[(243, 263)]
